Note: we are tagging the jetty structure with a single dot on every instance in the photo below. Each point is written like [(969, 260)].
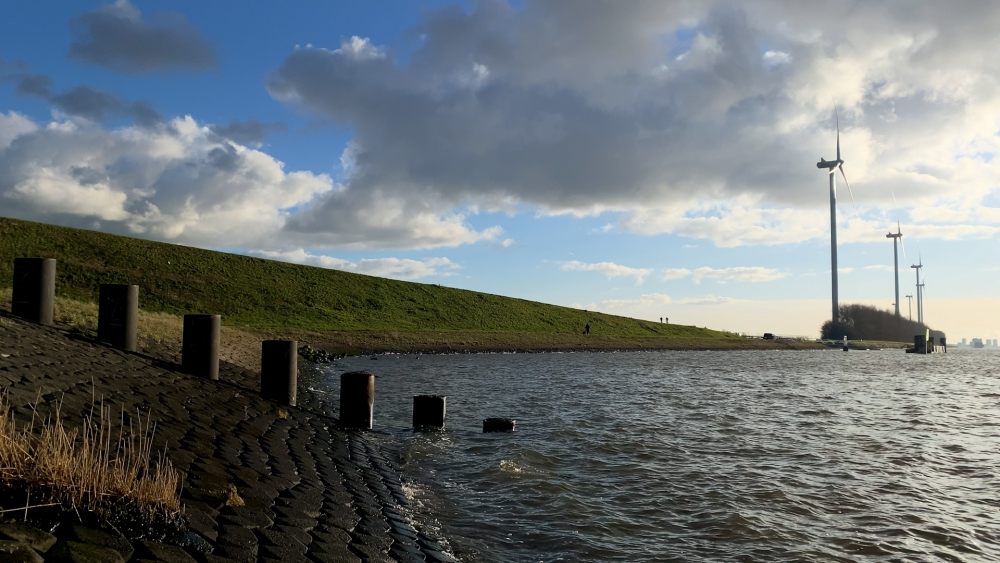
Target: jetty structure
[(831, 166)]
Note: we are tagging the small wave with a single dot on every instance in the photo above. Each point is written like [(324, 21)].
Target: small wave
[(511, 466)]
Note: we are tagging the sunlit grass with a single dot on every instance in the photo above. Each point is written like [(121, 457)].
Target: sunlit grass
[(268, 295), (87, 468)]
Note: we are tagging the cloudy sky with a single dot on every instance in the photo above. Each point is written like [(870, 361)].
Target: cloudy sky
[(647, 159)]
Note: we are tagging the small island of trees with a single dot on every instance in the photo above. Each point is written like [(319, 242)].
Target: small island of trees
[(864, 322)]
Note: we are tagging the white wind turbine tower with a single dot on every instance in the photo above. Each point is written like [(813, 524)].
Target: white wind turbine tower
[(898, 235), (920, 292), (832, 166)]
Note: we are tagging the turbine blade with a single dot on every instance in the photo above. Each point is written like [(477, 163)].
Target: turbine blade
[(902, 246), (841, 167), (837, 116)]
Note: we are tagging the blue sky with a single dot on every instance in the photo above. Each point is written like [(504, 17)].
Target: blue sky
[(646, 159)]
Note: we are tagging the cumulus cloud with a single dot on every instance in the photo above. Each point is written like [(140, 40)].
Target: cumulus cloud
[(97, 105), (115, 36), (182, 182), (611, 108), (400, 268), (176, 181), (249, 132), (723, 275), (609, 269)]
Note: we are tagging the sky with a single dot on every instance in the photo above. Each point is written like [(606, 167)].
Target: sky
[(647, 159)]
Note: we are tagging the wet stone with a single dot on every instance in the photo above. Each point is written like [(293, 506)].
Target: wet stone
[(333, 553), (163, 552), (369, 553), (103, 538), (18, 552), (281, 554), (236, 536), (76, 552), (241, 554), (242, 516), (36, 539), (275, 538)]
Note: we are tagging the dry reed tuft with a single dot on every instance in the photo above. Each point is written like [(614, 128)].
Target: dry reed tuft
[(89, 470)]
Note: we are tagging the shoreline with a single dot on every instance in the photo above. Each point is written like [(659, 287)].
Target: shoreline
[(308, 490)]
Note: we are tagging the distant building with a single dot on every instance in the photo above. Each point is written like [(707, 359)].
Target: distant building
[(977, 343), (963, 342)]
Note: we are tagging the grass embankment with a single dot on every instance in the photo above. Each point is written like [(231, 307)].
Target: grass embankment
[(344, 311)]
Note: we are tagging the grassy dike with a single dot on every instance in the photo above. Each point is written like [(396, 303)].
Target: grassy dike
[(337, 310)]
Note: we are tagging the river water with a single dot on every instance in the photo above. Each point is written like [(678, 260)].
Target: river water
[(702, 456)]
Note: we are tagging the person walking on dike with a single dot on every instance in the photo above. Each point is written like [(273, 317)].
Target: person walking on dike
[(586, 329)]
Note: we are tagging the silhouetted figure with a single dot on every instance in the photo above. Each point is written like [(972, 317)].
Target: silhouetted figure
[(661, 319), (668, 320), (586, 329)]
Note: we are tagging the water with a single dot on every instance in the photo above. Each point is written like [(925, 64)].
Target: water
[(703, 456)]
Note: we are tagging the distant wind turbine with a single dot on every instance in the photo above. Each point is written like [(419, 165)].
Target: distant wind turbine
[(920, 303), (909, 304), (895, 255), (832, 166)]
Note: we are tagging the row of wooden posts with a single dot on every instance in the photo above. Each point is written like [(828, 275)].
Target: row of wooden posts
[(33, 299)]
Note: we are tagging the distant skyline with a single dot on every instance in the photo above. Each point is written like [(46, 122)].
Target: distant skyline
[(648, 159)]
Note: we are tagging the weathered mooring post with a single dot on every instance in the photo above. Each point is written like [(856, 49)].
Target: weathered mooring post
[(200, 345), (34, 292), (429, 411), (279, 371), (920, 344), (845, 343), (118, 315), (498, 424), (357, 399)]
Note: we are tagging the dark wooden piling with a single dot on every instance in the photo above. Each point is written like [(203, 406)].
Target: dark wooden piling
[(498, 424), (279, 371), (357, 399), (118, 315), (34, 292), (200, 345), (429, 411)]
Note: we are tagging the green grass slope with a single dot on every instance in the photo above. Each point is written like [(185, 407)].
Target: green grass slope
[(268, 294)]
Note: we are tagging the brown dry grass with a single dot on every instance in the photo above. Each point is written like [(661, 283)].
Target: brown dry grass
[(86, 469)]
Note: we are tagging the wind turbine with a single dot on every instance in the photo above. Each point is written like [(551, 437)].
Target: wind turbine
[(898, 235), (832, 166), (920, 304), (895, 256), (909, 304)]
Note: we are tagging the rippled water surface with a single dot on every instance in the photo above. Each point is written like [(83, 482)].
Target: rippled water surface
[(704, 456)]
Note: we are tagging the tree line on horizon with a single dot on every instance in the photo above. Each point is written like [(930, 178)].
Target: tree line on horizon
[(864, 322)]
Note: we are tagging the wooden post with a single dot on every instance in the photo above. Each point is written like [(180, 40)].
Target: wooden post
[(279, 371), (118, 315), (429, 411), (498, 425), (357, 399), (34, 293), (200, 345)]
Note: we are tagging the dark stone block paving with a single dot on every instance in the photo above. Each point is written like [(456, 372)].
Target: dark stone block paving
[(310, 491)]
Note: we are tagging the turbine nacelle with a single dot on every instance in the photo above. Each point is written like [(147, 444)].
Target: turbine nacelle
[(828, 164)]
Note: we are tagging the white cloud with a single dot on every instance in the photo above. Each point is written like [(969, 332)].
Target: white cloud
[(399, 268), (723, 275), (181, 182), (776, 58), (719, 144), (12, 125), (609, 269)]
